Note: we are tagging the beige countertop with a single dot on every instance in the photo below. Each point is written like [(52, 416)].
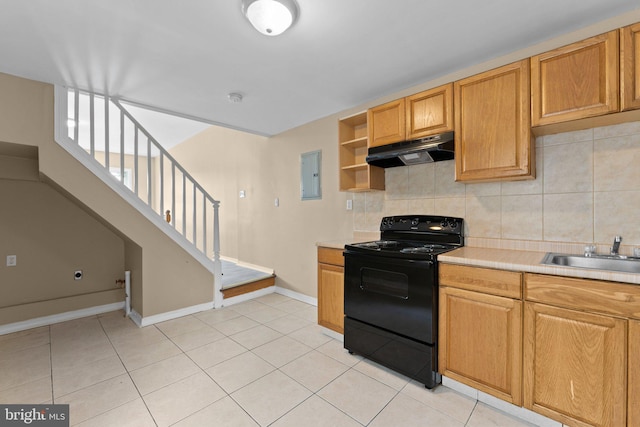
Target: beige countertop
[(334, 244), (504, 259), (528, 261)]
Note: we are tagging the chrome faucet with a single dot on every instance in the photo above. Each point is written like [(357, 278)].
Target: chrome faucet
[(616, 245)]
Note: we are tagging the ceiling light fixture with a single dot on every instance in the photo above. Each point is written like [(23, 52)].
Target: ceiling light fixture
[(270, 17)]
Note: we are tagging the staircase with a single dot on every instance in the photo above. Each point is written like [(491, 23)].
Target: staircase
[(99, 132)]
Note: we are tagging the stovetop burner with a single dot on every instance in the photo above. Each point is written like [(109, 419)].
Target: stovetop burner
[(403, 247), (379, 244), (414, 236), (424, 249)]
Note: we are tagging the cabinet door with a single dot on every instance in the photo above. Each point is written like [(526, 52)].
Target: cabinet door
[(493, 125), (575, 366), (386, 123), (630, 67), (633, 399), (576, 81), (430, 112), (481, 342), (331, 297)]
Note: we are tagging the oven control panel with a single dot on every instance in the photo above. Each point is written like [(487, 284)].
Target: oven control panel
[(426, 223)]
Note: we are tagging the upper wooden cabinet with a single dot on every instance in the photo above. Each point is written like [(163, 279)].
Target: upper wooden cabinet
[(576, 81), (492, 113), (429, 112), (416, 116), (630, 67), (386, 123)]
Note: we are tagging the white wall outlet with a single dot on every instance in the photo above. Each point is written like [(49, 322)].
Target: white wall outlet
[(276, 202), (242, 194), (12, 260), (77, 275), (349, 204)]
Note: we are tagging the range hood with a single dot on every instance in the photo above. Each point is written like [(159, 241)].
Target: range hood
[(426, 150)]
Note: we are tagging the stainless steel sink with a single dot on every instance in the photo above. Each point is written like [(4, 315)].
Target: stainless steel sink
[(598, 262)]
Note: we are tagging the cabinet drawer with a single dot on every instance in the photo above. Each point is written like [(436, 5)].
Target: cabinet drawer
[(586, 295), (330, 256), (486, 280)]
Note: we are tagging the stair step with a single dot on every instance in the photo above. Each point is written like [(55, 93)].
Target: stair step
[(252, 286)]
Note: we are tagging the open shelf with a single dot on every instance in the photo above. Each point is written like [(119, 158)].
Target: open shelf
[(355, 173)]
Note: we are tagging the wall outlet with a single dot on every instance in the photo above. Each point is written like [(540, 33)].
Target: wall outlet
[(349, 204), (12, 260), (276, 202), (77, 275), (243, 194)]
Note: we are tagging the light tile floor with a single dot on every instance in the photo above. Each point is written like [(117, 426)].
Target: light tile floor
[(259, 363)]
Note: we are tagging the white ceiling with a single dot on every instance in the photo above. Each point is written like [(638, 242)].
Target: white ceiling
[(185, 56)]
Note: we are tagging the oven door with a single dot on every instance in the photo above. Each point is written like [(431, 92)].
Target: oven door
[(396, 294)]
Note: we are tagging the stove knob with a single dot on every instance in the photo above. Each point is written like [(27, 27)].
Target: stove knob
[(443, 224), (415, 221)]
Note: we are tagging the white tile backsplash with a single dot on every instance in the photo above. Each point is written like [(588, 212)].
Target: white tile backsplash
[(617, 163), (568, 168), (587, 189)]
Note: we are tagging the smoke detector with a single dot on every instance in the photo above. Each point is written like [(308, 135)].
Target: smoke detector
[(235, 97)]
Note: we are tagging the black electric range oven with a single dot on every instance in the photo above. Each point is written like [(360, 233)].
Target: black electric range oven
[(391, 293)]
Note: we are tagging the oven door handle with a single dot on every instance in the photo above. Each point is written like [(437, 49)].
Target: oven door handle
[(383, 291)]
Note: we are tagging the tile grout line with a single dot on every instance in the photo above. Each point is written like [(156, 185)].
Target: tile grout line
[(53, 401), (128, 374), (475, 405)]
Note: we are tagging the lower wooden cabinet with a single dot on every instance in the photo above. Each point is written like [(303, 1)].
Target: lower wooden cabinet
[(480, 329), (574, 366), (566, 348), (331, 289), (481, 342), (633, 363)]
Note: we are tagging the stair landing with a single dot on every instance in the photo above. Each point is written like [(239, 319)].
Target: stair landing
[(239, 280)]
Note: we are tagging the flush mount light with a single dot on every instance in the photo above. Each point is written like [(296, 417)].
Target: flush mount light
[(270, 17)]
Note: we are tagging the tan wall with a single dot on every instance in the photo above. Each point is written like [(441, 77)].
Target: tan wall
[(226, 161), (172, 278), (253, 230), (52, 238)]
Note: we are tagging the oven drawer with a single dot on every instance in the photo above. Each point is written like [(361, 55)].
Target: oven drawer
[(413, 359)]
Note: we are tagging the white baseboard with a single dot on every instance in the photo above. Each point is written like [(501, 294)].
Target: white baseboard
[(169, 315), (60, 317), (494, 402), (333, 334), (297, 295), (460, 388), (517, 411), (162, 317)]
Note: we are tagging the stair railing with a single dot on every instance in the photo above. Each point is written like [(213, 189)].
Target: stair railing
[(103, 128)]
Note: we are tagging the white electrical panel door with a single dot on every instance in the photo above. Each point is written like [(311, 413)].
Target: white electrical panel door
[(310, 175)]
